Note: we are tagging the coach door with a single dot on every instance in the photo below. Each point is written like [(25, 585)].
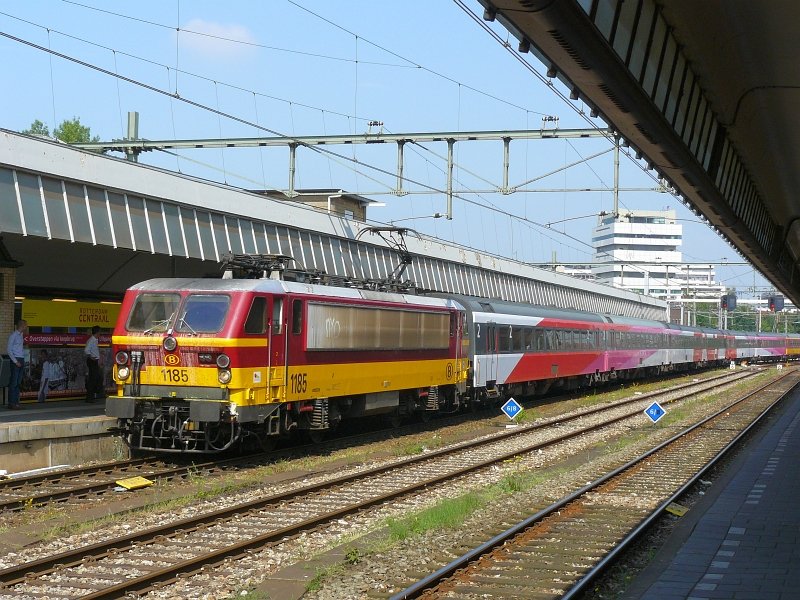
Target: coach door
[(491, 352)]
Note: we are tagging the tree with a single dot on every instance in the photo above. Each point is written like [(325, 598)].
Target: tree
[(72, 132), (37, 128)]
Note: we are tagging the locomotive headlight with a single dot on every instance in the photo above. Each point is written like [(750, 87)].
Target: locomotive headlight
[(170, 343), (223, 361), (123, 372), (121, 358), (224, 376)]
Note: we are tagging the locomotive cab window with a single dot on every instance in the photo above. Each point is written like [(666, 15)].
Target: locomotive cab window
[(152, 312), (203, 313), (256, 322)]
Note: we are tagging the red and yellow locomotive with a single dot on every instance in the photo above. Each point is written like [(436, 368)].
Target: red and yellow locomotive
[(204, 364)]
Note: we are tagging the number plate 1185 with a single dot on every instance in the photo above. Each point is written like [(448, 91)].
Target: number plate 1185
[(175, 375)]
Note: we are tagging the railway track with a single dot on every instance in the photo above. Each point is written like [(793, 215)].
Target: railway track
[(82, 484), (560, 550), (141, 560)]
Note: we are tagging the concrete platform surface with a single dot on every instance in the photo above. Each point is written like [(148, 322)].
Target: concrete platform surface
[(56, 433), (742, 540)]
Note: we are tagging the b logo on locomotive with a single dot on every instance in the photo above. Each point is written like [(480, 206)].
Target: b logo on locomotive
[(172, 360)]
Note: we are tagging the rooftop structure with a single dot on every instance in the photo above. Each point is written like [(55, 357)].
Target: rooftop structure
[(640, 251)]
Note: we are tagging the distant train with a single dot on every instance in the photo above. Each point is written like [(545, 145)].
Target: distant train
[(203, 365)]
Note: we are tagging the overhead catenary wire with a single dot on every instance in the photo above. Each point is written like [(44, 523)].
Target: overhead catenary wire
[(354, 161)]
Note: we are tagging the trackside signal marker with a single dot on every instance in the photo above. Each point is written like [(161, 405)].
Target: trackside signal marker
[(511, 408), (655, 412)]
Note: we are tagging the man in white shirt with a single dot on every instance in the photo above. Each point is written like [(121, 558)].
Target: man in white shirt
[(92, 352), (16, 353)]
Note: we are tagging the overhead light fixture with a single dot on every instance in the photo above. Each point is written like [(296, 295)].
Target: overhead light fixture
[(489, 13), (638, 155), (552, 72), (573, 95), (593, 113), (64, 300), (524, 45)]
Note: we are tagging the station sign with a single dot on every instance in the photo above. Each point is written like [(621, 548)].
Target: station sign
[(84, 315)]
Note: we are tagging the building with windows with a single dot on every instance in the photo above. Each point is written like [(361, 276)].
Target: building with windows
[(640, 251)]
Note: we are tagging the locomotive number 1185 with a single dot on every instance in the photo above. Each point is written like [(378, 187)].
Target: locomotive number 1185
[(175, 375), (299, 383)]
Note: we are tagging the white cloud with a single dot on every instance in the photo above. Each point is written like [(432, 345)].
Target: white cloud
[(216, 40)]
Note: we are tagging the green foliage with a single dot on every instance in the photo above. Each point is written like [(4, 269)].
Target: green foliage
[(746, 318), (72, 132), (446, 514), (37, 128), (353, 556), (526, 415)]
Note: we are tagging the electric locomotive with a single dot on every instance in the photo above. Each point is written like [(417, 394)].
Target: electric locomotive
[(204, 364)]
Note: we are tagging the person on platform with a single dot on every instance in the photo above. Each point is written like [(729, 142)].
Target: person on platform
[(16, 353), (93, 377), (48, 374)]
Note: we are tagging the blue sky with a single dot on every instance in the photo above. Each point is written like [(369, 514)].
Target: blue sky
[(314, 67)]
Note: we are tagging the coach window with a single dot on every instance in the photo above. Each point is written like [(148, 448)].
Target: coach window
[(297, 316), (255, 322), (529, 339), (557, 340), (504, 341), (517, 343)]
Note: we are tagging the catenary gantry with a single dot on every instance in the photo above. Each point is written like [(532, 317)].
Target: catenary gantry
[(86, 222)]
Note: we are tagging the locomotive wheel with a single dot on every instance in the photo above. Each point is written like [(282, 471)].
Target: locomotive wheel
[(269, 443), (393, 419), (316, 436)]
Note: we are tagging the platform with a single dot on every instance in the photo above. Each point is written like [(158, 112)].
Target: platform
[(64, 432), (742, 540)]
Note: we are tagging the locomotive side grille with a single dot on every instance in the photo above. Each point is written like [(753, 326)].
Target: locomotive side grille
[(432, 402), (319, 416)]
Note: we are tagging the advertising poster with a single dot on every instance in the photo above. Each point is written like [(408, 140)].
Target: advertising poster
[(55, 364)]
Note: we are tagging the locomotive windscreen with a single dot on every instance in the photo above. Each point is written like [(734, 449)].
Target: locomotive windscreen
[(152, 312), (359, 328)]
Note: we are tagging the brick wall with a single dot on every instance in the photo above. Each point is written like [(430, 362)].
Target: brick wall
[(7, 286)]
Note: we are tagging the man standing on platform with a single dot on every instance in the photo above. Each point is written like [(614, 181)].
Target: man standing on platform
[(92, 352), (16, 353)]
